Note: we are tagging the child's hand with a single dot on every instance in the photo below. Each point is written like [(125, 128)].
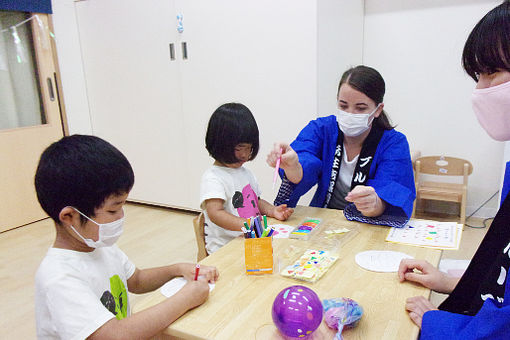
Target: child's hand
[(281, 212), (209, 273), (196, 291), (417, 306)]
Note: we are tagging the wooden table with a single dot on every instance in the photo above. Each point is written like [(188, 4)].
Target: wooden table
[(240, 305)]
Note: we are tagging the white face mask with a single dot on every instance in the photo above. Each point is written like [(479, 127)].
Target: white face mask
[(109, 233), (354, 124)]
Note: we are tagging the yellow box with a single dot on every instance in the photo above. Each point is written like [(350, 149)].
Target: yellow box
[(258, 255)]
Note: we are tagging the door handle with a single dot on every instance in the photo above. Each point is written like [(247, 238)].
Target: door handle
[(184, 46), (172, 51), (50, 89)]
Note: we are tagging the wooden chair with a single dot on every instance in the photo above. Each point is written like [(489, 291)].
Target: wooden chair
[(441, 191), (198, 225)]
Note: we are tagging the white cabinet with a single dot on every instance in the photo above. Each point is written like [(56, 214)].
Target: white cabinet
[(282, 59)]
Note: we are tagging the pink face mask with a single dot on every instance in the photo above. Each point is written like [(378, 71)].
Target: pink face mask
[(492, 108)]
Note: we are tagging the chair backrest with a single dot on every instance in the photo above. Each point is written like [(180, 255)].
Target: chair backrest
[(198, 225), (443, 166)]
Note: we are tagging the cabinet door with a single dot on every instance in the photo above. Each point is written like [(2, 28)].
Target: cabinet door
[(134, 93), (260, 53)]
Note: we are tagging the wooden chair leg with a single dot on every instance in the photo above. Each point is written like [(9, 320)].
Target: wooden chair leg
[(463, 210)]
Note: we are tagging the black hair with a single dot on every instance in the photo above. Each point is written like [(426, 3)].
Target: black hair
[(82, 172), (487, 48), (231, 124), (370, 82)]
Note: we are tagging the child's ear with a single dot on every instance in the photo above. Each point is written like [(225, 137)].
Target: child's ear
[(68, 216)]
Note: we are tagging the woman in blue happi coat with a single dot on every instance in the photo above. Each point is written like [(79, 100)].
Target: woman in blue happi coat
[(478, 305), (354, 156)]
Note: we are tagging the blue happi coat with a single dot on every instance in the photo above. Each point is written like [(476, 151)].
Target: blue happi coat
[(479, 306), (491, 322), (391, 171)]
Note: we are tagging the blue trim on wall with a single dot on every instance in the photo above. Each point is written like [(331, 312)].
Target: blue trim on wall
[(38, 6)]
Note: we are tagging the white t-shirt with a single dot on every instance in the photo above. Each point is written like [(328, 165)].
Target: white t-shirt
[(78, 292), (239, 190), (343, 183)]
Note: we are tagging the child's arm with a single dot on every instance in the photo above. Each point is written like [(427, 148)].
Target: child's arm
[(280, 212), (220, 217), (148, 323), (147, 280)]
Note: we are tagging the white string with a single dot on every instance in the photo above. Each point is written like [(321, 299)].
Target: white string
[(19, 24)]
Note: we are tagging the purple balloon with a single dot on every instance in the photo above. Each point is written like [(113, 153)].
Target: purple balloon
[(297, 311)]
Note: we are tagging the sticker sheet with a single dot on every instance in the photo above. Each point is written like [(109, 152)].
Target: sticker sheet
[(311, 266), (440, 235)]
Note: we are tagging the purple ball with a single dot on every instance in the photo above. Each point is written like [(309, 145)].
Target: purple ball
[(297, 311)]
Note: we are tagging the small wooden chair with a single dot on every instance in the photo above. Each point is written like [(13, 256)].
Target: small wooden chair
[(198, 225), (441, 191)]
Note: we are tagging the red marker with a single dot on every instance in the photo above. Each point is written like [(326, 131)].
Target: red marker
[(197, 269)]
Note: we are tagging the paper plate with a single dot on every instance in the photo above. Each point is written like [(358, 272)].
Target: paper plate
[(380, 260)]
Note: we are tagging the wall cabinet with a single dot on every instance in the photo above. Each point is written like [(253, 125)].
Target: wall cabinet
[(151, 89)]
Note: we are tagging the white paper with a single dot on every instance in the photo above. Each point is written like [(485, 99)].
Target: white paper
[(282, 230), (380, 260), (453, 267), (175, 285), (442, 235)]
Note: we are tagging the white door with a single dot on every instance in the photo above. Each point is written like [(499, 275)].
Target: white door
[(132, 80), (260, 53), (29, 114)]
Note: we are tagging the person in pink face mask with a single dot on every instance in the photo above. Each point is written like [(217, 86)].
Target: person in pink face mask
[(478, 306)]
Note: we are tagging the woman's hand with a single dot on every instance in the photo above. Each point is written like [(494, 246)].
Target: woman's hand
[(208, 273), (289, 161), (366, 200), (281, 212), (428, 275), (417, 306)]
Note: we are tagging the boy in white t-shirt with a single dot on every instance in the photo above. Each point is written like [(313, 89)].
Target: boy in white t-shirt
[(82, 284), (229, 192)]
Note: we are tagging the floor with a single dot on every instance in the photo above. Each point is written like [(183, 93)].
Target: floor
[(153, 236)]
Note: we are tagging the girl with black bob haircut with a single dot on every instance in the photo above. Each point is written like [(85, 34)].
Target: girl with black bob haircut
[(230, 125), (229, 193), (478, 305)]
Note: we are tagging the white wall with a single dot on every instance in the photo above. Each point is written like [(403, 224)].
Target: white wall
[(71, 69), (415, 44), (417, 47)]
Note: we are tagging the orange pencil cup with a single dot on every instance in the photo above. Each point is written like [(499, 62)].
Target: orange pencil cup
[(258, 255)]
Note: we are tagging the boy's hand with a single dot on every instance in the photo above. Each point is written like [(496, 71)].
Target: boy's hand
[(209, 273), (196, 291), (281, 212)]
